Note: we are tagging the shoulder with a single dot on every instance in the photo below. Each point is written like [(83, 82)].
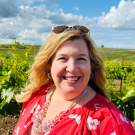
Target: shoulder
[(41, 91), (35, 102), (107, 118), (39, 95)]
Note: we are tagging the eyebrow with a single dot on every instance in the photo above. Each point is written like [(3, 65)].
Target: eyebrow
[(62, 54), (83, 55)]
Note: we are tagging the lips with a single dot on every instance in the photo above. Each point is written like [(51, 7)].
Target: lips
[(71, 78)]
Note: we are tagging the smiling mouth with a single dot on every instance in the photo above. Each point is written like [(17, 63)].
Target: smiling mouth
[(71, 78)]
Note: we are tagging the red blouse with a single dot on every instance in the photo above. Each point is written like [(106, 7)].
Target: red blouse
[(97, 117)]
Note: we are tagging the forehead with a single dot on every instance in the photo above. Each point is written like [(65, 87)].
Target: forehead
[(76, 46)]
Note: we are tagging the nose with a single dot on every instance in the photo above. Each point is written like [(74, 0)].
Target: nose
[(72, 66)]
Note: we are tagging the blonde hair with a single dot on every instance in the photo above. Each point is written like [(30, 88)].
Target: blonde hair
[(42, 64)]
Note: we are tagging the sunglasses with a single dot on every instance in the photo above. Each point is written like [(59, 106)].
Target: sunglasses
[(62, 28)]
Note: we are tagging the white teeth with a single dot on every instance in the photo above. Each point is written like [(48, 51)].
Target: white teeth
[(71, 79)]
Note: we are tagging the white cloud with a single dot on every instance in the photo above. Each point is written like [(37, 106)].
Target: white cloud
[(31, 37), (76, 8), (56, 8), (8, 11), (32, 24), (121, 18)]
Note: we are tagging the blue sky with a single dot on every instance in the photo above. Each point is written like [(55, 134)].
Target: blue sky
[(111, 22), (90, 8)]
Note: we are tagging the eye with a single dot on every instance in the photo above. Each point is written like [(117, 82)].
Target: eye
[(81, 59), (62, 58)]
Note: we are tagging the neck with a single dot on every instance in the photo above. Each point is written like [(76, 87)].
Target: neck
[(63, 103), (66, 104), (58, 95)]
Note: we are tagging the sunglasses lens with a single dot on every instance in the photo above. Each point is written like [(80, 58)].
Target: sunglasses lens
[(83, 29), (59, 29)]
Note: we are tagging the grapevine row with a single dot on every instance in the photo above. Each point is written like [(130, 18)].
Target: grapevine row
[(14, 73)]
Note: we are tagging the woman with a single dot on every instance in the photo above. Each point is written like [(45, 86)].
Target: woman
[(66, 94)]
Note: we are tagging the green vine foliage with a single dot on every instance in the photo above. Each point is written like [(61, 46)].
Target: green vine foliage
[(14, 73), (124, 99)]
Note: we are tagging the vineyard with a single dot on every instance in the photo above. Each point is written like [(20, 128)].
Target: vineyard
[(14, 71)]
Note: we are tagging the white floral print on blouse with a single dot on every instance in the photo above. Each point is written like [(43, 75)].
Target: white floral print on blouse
[(23, 111), (123, 118), (113, 133), (33, 108), (17, 131), (107, 100), (96, 106), (36, 110), (92, 123), (47, 133), (26, 124), (44, 90), (75, 117)]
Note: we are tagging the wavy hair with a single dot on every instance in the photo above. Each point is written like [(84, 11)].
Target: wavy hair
[(42, 64)]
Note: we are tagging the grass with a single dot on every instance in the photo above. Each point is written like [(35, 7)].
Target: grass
[(117, 54), (6, 52), (106, 53)]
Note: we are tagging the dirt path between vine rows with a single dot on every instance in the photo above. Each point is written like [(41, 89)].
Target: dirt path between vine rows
[(7, 125)]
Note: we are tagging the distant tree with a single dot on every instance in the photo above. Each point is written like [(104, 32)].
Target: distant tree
[(102, 46)]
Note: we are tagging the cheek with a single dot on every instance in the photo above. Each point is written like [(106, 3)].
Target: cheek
[(86, 70), (56, 70)]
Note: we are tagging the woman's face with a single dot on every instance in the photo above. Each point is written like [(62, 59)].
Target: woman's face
[(71, 67)]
